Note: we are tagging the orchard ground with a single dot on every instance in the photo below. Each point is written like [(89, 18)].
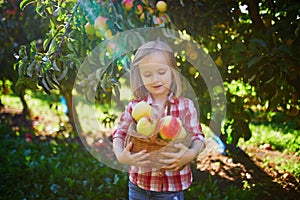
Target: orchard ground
[(253, 168)]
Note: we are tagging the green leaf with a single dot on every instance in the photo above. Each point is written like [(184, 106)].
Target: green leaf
[(30, 68), (54, 79), (254, 60), (100, 72), (259, 42), (55, 67), (117, 92), (45, 43), (25, 3), (64, 72), (74, 59), (55, 188)]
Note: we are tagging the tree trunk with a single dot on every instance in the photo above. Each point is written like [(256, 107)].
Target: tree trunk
[(72, 114), (26, 110)]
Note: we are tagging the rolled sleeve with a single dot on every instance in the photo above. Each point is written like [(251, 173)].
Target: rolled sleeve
[(125, 120), (191, 121)]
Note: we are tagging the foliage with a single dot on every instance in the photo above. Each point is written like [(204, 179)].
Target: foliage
[(280, 139), (252, 42), (17, 28), (210, 190), (54, 169)]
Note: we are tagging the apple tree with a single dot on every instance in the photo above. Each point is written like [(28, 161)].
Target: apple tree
[(253, 43)]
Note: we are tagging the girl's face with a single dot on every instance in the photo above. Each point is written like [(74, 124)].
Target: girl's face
[(156, 74)]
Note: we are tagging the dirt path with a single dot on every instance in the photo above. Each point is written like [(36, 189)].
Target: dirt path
[(247, 169)]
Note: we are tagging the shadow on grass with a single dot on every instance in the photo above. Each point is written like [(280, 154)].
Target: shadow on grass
[(16, 119), (240, 171)]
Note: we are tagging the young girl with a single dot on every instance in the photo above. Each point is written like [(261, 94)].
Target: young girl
[(155, 80)]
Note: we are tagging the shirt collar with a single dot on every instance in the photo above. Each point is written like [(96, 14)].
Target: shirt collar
[(171, 98)]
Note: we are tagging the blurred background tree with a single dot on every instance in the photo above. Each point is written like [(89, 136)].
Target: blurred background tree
[(18, 27), (253, 43)]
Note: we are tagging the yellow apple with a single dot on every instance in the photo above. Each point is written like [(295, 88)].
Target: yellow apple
[(99, 33), (142, 109), (89, 29), (161, 6), (219, 61), (145, 126), (108, 33), (150, 10), (142, 17)]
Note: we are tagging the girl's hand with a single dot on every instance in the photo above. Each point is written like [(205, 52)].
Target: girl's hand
[(137, 159), (176, 161)]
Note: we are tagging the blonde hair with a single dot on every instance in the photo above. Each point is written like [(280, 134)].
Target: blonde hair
[(157, 46)]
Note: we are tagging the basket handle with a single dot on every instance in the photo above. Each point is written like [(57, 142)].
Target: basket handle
[(159, 115)]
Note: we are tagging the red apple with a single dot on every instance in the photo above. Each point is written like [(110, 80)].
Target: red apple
[(181, 134), (127, 4), (169, 127), (158, 21), (100, 23), (29, 137), (165, 18), (138, 10)]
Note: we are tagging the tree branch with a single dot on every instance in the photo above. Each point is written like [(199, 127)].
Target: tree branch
[(57, 51), (253, 9)]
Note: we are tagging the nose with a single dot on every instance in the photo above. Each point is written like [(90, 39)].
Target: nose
[(155, 77)]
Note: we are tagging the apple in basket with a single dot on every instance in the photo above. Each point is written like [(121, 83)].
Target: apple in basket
[(170, 127), (142, 109), (181, 134), (145, 126)]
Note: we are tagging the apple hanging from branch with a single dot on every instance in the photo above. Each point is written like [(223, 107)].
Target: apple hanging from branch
[(127, 4)]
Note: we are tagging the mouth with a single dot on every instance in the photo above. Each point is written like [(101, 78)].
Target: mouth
[(157, 86)]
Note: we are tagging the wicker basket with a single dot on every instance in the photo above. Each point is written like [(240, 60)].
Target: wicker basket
[(153, 144)]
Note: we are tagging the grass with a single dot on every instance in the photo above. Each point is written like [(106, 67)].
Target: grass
[(280, 139), (61, 168), (54, 169), (287, 142)]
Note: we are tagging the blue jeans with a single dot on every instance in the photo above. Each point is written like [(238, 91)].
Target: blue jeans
[(136, 193)]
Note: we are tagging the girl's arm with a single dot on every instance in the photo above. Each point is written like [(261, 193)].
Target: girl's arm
[(175, 161), (124, 155)]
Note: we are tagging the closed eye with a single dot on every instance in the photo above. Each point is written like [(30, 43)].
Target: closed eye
[(146, 75), (161, 72)]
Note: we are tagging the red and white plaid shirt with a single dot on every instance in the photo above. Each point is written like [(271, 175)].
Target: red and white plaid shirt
[(163, 180)]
